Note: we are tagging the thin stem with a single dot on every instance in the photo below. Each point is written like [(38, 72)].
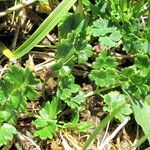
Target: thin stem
[(98, 91), (89, 94)]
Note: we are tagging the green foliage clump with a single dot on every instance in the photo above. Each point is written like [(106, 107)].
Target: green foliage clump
[(74, 49), (117, 29), (46, 123), (16, 88), (135, 78)]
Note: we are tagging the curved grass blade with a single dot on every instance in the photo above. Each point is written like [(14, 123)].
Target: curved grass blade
[(49, 23)]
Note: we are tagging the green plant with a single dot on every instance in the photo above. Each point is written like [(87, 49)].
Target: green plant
[(68, 94), (116, 27), (46, 122), (16, 88)]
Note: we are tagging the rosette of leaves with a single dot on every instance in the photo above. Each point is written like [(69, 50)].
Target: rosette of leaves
[(108, 35), (104, 71), (17, 86), (134, 79), (46, 123), (68, 91), (113, 100)]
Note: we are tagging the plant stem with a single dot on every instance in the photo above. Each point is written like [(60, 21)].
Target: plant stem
[(98, 91), (48, 46)]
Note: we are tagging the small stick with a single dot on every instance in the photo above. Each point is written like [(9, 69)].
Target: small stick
[(64, 143), (22, 137), (109, 138), (104, 137), (16, 7)]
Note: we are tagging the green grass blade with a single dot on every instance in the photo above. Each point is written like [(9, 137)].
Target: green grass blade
[(49, 23)]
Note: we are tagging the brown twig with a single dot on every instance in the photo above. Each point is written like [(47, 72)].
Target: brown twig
[(16, 7)]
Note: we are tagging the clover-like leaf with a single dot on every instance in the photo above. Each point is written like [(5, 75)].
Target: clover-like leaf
[(100, 28), (104, 71), (70, 93), (113, 100), (64, 71), (66, 93), (107, 41), (21, 76), (132, 80), (104, 78), (104, 60), (108, 36), (85, 54), (77, 102), (7, 132), (46, 132), (72, 97), (110, 41), (18, 78), (115, 36), (9, 115)]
